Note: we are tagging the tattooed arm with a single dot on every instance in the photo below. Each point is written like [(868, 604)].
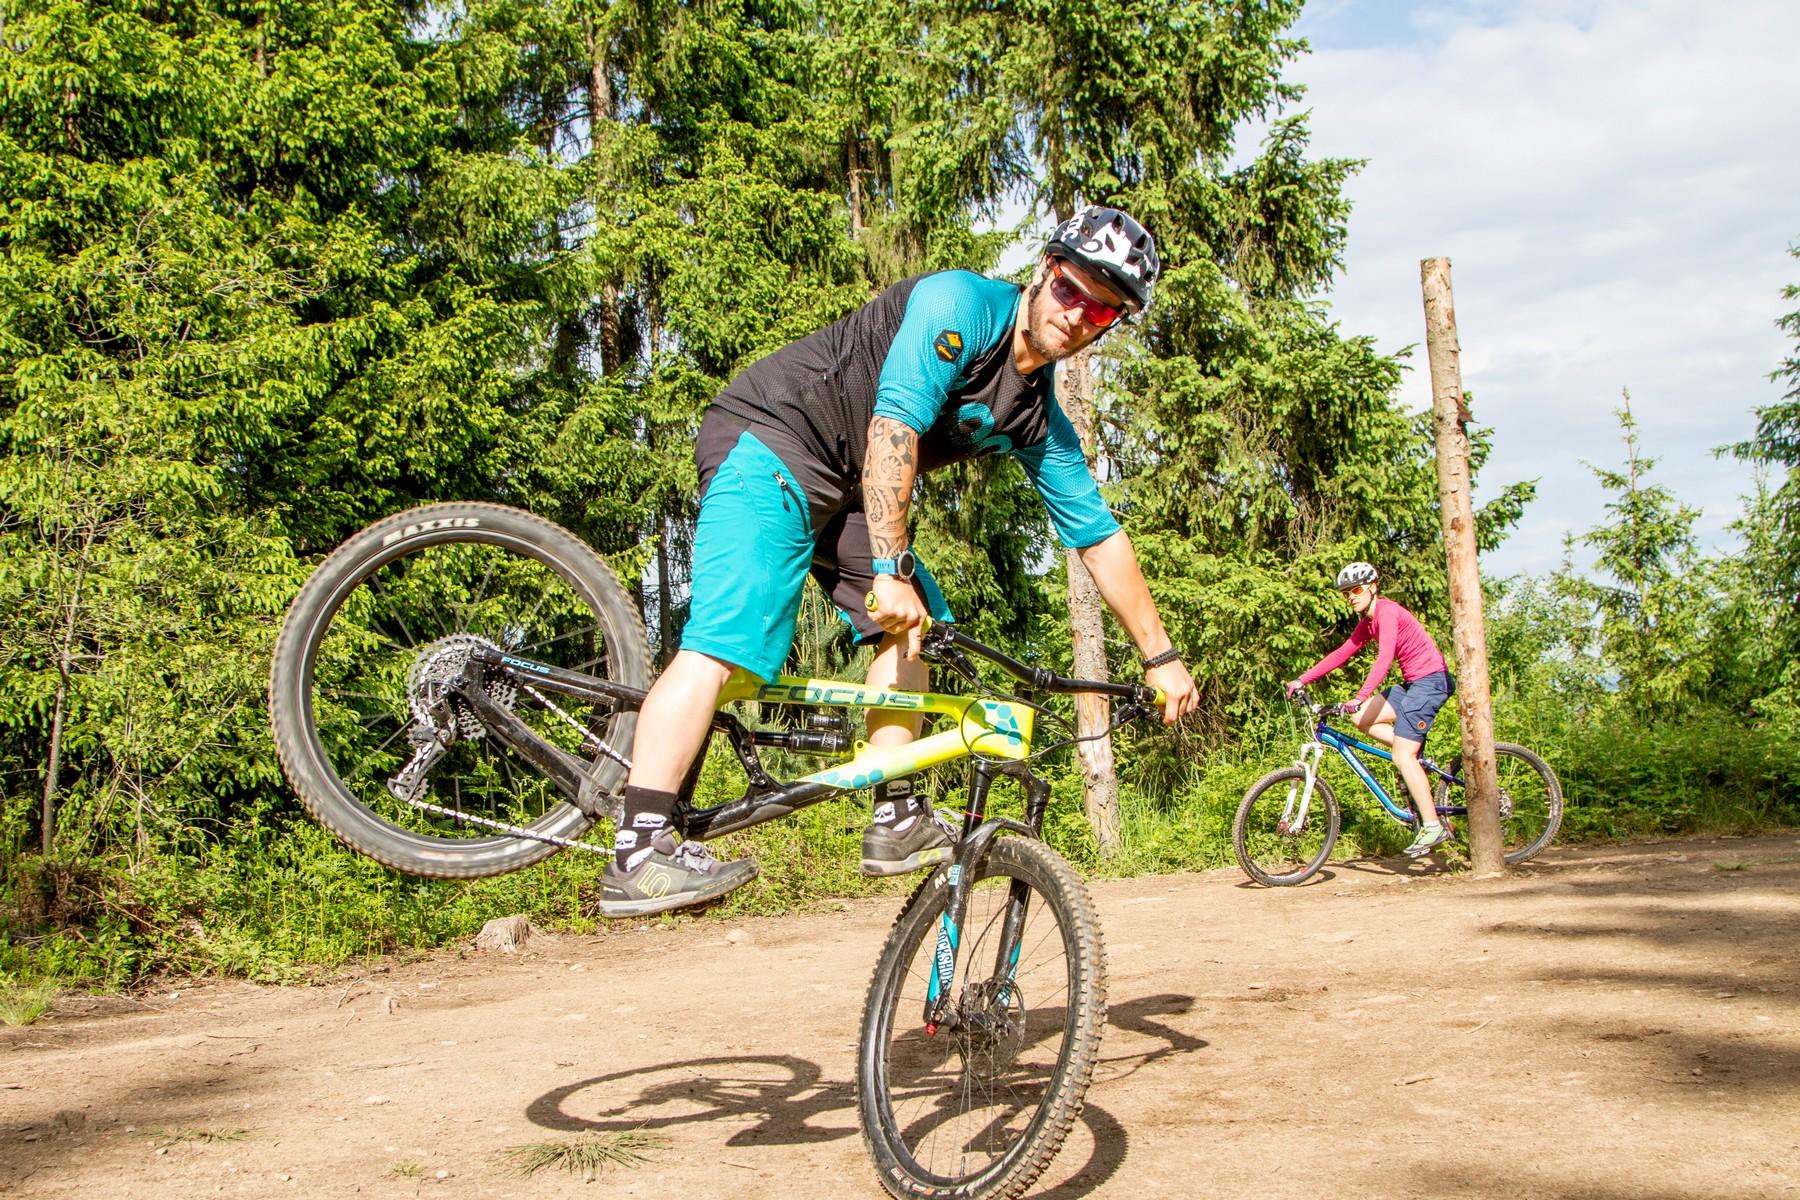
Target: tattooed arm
[(889, 468)]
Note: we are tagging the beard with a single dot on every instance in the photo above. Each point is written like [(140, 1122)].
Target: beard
[(1033, 324)]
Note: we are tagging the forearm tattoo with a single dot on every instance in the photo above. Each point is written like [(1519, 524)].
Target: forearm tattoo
[(887, 483)]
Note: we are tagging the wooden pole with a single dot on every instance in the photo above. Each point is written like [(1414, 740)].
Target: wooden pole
[(1450, 421)]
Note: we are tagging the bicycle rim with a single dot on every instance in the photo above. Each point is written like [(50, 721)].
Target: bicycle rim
[(979, 1107)]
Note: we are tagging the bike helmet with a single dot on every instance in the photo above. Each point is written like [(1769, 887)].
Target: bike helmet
[(1355, 573), (1109, 241)]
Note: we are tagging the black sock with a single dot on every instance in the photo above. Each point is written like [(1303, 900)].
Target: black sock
[(646, 814), (895, 802)]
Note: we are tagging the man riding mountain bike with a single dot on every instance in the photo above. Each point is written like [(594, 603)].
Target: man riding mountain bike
[(1402, 716), (807, 462)]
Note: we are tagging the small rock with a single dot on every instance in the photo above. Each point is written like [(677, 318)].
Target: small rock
[(505, 934), (1412, 1079), (1256, 987), (443, 1174), (285, 1177), (160, 1150), (375, 1099), (736, 937)]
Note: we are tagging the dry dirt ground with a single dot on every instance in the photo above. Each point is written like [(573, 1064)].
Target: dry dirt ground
[(1608, 1023)]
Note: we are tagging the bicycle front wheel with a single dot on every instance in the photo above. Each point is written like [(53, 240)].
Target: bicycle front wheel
[(1531, 799), (979, 1106), (1282, 836), (365, 674)]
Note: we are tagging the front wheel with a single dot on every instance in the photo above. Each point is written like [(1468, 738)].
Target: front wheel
[(978, 1105), (1281, 835), (1531, 799)]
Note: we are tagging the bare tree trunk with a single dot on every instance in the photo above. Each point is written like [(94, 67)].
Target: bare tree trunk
[(600, 117), (853, 163), (1450, 420), (1087, 622), (65, 661)]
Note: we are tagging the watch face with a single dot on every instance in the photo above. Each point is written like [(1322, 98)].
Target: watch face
[(905, 564)]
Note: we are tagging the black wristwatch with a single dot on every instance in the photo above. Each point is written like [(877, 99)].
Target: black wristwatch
[(902, 566), (1167, 656)]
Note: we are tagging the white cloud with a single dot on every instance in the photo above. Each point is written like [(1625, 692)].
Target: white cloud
[(1616, 186)]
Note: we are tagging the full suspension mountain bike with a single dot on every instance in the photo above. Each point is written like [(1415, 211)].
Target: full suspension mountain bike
[(454, 694), (1288, 820)]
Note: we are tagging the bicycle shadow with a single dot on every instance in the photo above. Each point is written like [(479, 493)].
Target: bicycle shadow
[(787, 1099), (1322, 875), (783, 1095), (1135, 1016)]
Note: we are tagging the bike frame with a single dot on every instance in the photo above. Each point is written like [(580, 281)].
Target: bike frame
[(1348, 747), (996, 734)]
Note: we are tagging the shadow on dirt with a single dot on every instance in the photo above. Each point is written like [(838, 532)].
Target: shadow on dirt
[(785, 1099), (1136, 1016)]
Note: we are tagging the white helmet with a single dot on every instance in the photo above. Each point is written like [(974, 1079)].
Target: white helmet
[(1355, 573), (1111, 242)]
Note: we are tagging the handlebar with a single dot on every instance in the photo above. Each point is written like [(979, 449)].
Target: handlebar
[(941, 638), (941, 642), (1303, 699)]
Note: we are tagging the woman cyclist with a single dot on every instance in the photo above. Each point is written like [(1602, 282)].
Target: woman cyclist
[(1402, 716)]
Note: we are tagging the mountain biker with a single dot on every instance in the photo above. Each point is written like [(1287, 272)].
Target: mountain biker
[(1402, 716), (806, 464)]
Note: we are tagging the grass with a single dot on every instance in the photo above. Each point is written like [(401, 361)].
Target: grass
[(587, 1154), (25, 1003), (407, 1170)]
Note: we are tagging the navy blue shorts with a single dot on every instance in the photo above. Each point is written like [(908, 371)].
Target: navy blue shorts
[(1416, 704)]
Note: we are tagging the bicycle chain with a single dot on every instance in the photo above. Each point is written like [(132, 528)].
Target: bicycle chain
[(515, 830), (588, 740)]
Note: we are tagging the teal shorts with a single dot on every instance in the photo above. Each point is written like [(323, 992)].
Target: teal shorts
[(753, 548)]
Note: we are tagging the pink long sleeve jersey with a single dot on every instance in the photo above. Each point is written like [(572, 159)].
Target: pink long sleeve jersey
[(1396, 632)]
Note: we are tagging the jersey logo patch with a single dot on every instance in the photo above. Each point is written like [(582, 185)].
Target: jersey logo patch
[(949, 345)]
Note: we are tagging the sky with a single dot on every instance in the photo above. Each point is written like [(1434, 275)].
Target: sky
[(1616, 185)]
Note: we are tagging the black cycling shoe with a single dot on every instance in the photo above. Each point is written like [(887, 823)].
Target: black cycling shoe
[(887, 851), (670, 876)]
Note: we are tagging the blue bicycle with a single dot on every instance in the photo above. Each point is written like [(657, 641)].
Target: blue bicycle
[(1288, 821)]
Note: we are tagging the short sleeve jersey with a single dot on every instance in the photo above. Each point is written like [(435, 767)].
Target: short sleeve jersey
[(935, 353)]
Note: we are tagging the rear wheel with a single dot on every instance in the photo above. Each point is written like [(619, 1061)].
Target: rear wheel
[(362, 684), (1281, 836), (978, 1105), (1531, 799)]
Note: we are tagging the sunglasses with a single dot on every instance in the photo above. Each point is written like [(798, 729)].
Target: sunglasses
[(1068, 293), (1357, 590)]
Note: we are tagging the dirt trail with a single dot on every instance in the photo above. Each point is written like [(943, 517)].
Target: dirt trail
[(1622, 1022)]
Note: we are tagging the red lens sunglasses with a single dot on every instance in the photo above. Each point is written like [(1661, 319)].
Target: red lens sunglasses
[(1068, 293)]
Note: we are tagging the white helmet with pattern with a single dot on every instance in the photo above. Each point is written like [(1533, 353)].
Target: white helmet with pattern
[(1355, 573), (1111, 242)]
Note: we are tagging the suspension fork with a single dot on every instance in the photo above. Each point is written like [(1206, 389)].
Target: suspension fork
[(1308, 762), (978, 834)]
